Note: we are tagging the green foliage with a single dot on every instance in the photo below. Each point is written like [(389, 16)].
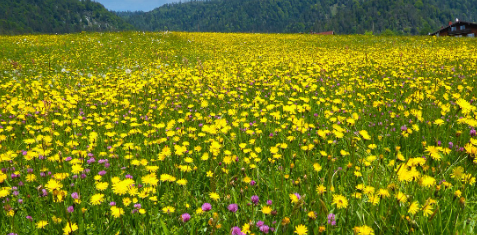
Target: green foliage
[(388, 32), (52, 16), (404, 17)]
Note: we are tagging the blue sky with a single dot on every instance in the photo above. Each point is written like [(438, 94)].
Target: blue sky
[(133, 5)]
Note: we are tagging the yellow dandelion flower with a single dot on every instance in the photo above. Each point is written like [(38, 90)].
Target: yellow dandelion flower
[(439, 122), (101, 186), (116, 212), (150, 179), (246, 228), (53, 184), (340, 201), (29, 178), (127, 201), (413, 208), (374, 199), (168, 209), (365, 134), (428, 181), (41, 224), (70, 228), (97, 199), (320, 189), (427, 210), (317, 167), (76, 169), (4, 192), (214, 196), (301, 230), (312, 215), (364, 230), (401, 197), (182, 182), (266, 210), (294, 198)]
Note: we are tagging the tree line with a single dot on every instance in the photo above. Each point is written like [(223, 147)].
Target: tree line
[(399, 17), (402, 17)]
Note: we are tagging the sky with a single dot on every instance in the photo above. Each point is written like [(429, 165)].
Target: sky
[(133, 5)]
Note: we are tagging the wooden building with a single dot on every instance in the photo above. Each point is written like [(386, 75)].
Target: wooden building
[(457, 29)]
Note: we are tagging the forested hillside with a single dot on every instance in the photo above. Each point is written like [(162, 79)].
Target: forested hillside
[(342, 16), (56, 16), (402, 17)]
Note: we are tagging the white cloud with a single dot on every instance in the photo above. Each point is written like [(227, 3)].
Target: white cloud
[(133, 5)]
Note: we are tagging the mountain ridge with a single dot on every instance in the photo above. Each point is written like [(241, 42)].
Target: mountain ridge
[(403, 17)]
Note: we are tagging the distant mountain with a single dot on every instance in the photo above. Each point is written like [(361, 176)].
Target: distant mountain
[(282, 16), (57, 16)]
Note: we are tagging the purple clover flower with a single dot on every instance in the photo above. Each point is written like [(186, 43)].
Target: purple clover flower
[(255, 199), (75, 195), (233, 207), (473, 132), (260, 223), (237, 231), (331, 219), (206, 207), (264, 229), (185, 217), (91, 160)]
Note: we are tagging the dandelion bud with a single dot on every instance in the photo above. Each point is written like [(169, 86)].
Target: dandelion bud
[(285, 221), (462, 201)]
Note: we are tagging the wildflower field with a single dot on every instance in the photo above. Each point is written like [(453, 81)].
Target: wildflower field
[(207, 133)]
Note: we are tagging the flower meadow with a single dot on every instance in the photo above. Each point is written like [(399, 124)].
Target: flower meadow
[(209, 133)]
